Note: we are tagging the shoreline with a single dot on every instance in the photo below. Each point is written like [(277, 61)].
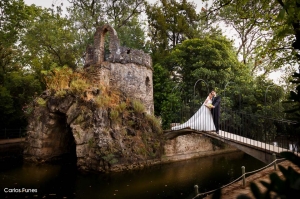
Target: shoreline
[(237, 189), (13, 148)]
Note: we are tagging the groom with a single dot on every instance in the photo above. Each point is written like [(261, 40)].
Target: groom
[(215, 111)]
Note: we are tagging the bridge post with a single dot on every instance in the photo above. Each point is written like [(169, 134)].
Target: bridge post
[(243, 173), (275, 163), (196, 190)]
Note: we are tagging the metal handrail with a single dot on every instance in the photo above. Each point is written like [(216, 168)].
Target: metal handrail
[(270, 118), (242, 176)]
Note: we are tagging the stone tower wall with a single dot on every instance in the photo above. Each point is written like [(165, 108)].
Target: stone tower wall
[(134, 80), (128, 69)]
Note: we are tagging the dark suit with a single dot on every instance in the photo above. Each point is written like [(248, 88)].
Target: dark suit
[(216, 102)]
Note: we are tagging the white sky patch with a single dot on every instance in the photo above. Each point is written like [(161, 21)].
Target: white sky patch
[(44, 3)]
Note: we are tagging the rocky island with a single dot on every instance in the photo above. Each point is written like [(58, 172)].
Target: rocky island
[(103, 115)]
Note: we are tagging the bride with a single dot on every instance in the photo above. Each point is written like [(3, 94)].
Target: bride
[(202, 120)]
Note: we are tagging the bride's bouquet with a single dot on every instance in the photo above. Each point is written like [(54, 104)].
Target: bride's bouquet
[(209, 105)]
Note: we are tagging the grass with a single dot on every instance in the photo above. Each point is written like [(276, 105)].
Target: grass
[(130, 123), (61, 78), (58, 78), (121, 107), (78, 86), (41, 101), (79, 119), (109, 98), (60, 93), (91, 142), (102, 101), (138, 107), (114, 114), (110, 158), (155, 123)]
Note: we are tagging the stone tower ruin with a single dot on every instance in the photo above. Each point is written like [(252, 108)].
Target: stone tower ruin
[(72, 126), (130, 70)]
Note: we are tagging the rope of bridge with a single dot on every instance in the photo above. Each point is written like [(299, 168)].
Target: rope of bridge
[(247, 173)]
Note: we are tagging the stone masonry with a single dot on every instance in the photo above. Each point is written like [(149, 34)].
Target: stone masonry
[(130, 70)]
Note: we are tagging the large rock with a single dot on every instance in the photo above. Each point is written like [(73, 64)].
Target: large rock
[(101, 138)]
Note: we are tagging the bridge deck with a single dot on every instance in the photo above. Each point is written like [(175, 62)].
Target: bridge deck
[(250, 142), (229, 138)]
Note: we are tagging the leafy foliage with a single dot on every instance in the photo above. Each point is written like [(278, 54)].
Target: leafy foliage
[(49, 39), (6, 104), (166, 96), (170, 23), (21, 88), (18, 86), (263, 29), (294, 111), (123, 16), (211, 60)]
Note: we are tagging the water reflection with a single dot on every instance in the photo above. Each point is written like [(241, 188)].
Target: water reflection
[(174, 180)]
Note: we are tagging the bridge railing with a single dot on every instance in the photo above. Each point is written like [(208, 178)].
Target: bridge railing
[(277, 132), (241, 178)]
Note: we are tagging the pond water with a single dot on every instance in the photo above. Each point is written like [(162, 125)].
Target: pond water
[(173, 180)]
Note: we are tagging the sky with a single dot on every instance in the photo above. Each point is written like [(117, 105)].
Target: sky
[(198, 3), (45, 3), (48, 3)]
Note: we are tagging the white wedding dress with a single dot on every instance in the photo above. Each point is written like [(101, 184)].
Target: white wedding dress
[(202, 120)]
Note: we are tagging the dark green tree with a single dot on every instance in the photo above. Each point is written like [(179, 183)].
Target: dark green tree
[(166, 96), (123, 16), (18, 85), (49, 40), (170, 23), (294, 110), (210, 59)]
